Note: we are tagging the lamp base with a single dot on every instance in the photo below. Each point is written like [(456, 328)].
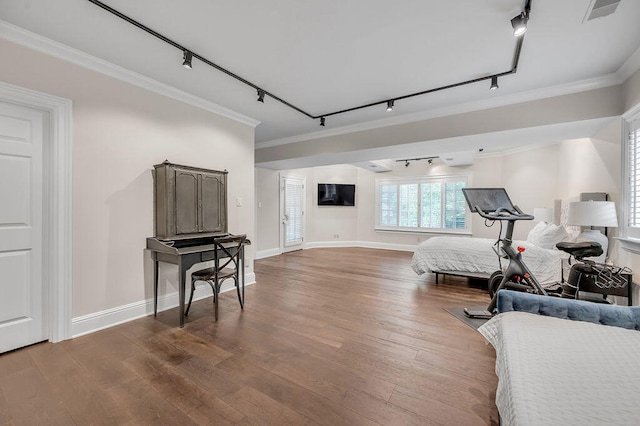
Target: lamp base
[(595, 236)]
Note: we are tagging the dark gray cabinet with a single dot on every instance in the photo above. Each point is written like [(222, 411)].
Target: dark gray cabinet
[(189, 200)]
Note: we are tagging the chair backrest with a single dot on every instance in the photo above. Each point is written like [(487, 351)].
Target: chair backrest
[(228, 251)]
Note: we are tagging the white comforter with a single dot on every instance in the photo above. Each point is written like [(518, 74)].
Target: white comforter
[(476, 255), (555, 371)]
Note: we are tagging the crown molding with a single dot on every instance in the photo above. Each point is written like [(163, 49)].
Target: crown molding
[(47, 46), (630, 66), (521, 149), (494, 102)]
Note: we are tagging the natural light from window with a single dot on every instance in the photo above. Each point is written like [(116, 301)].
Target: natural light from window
[(422, 204), (631, 221)]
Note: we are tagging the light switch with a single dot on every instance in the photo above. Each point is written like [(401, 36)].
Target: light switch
[(238, 202)]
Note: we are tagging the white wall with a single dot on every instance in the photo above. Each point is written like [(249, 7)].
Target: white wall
[(267, 212), (119, 132), (332, 223), (455, 132), (533, 178), (631, 91)]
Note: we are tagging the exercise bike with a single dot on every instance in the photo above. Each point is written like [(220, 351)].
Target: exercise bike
[(494, 204)]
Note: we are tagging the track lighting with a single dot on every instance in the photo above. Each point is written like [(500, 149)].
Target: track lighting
[(519, 24), (187, 56), (494, 82), (407, 160)]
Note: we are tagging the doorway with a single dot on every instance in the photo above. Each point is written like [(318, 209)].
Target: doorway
[(292, 205), (35, 217)]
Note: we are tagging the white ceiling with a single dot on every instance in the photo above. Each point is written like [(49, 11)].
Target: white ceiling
[(335, 54)]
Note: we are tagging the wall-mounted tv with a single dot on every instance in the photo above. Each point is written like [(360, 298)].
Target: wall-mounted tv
[(336, 194)]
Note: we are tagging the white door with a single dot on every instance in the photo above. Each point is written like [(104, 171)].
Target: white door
[(21, 231), (292, 212)]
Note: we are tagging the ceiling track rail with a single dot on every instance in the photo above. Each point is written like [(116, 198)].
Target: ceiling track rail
[(322, 117)]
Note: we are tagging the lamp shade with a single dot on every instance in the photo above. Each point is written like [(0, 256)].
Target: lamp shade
[(543, 214), (593, 213)]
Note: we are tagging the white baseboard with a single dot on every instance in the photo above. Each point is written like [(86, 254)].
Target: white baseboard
[(108, 318), (366, 244), (387, 246), (267, 253)]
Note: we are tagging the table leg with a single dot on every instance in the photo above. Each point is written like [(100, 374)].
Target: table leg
[(243, 269), (155, 287), (182, 272)]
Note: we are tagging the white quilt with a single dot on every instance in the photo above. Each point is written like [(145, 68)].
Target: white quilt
[(555, 371), (476, 255)]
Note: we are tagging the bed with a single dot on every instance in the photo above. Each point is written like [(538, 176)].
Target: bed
[(475, 258), (565, 362)]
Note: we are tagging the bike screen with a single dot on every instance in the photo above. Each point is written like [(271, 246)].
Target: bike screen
[(488, 199)]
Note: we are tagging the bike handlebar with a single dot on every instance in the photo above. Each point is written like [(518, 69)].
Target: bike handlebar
[(504, 213)]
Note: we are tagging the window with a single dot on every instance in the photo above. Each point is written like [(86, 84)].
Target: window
[(432, 204), (631, 183), (293, 210)]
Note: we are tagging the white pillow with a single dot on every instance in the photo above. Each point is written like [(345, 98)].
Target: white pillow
[(547, 235)]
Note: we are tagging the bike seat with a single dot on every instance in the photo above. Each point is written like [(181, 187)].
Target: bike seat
[(581, 249)]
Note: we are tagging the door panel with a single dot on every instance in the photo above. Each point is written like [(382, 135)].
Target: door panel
[(213, 204), (21, 281), (14, 266), (187, 199), (292, 213), (14, 170)]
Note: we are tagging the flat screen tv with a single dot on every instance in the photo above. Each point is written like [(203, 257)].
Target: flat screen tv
[(336, 194)]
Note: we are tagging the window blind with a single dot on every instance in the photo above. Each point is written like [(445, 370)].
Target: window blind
[(293, 189), (422, 204), (634, 175)]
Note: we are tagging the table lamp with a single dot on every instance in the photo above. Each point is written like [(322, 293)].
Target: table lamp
[(543, 214), (593, 214)]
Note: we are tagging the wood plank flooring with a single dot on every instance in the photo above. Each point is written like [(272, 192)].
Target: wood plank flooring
[(340, 336)]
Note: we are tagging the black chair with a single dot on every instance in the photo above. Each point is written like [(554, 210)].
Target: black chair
[(228, 254)]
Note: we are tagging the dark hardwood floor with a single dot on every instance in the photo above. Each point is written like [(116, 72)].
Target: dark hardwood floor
[(341, 336)]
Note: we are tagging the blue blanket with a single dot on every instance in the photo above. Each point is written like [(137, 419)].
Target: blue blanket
[(577, 310)]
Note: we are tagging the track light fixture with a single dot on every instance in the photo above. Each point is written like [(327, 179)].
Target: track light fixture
[(187, 56), (494, 82), (408, 160), (519, 24)]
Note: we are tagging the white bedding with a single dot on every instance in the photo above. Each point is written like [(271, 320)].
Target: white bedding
[(555, 371), (475, 255)]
